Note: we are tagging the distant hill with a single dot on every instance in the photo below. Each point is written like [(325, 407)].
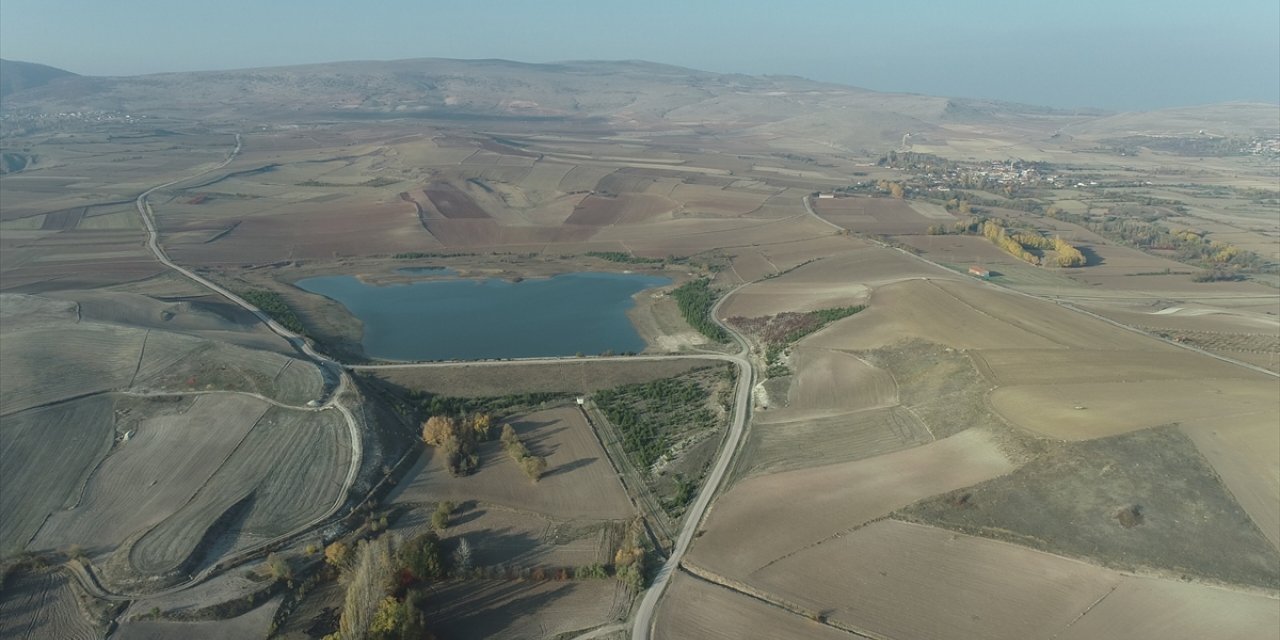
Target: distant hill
[(618, 95), (627, 95), (16, 76)]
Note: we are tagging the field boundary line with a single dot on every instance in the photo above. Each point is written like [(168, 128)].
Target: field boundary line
[(142, 353), (1088, 609), (744, 589)]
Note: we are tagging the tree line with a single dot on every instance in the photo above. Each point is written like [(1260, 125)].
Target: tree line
[(696, 299), (273, 304)]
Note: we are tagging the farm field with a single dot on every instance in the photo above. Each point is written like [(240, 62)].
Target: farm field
[(1159, 501), (698, 609), (756, 522), (978, 588), (1176, 610), (127, 493), (248, 625), (51, 452), (1113, 408), (43, 605), (119, 357), (502, 536), (524, 609), (578, 483), (288, 470)]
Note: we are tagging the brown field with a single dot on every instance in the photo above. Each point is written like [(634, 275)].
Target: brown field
[(694, 608), (712, 200), (1245, 452), (1059, 366), (500, 536), (759, 520), (1109, 408), (828, 382), (626, 209), (452, 202), (965, 315), (975, 588), (510, 609), (873, 215), (838, 280), (579, 482), (1143, 502), (1146, 609), (573, 376), (781, 445)]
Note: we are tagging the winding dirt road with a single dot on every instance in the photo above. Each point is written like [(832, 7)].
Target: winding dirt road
[(331, 399)]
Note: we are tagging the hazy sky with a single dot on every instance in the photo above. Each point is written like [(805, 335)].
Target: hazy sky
[(1119, 54)]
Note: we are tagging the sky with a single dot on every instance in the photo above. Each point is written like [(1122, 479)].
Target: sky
[(1112, 54)]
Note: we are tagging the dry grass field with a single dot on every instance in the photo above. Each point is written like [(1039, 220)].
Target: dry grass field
[(1096, 409), (516, 538), (127, 493), (48, 452), (698, 609), (1147, 609), (43, 605), (579, 482), (764, 519), (1142, 502), (974, 588), (877, 216), (286, 471)]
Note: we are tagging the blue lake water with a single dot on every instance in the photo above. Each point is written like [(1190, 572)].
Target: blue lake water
[(448, 319)]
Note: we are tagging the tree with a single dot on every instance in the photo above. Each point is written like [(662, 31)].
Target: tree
[(423, 557), (338, 555), (533, 466), (438, 430), (397, 620), (369, 582), (440, 519), (278, 567), (462, 556), (482, 424)]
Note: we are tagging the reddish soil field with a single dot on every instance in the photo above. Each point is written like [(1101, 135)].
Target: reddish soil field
[(452, 202), (326, 231), (488, 233), (624, 209)]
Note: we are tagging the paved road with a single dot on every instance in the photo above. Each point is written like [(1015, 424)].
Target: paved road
[(644, 618)]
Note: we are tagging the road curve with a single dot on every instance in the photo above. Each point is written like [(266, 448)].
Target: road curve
[(642, 626), (326, 364)]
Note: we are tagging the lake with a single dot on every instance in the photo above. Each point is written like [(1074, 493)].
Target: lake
[(469, 319)]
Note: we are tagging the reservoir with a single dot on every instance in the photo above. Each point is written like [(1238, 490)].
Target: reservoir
[(468, 319)]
